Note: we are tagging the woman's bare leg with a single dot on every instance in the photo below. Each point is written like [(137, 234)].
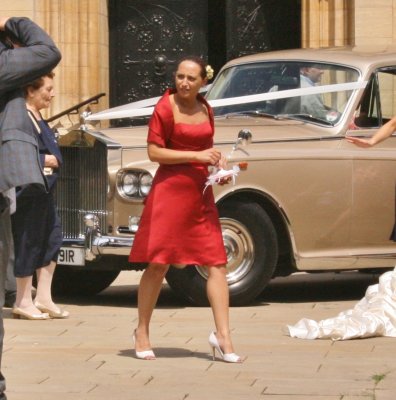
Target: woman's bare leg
[(44, 282), (149, 290), (218, 295), (24, 295)]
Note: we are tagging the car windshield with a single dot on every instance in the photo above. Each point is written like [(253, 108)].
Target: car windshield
[(322, 103)]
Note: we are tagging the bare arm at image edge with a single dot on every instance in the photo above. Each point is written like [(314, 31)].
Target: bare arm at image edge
[(383, 133)]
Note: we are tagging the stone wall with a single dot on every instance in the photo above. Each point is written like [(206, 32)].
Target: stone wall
[(348, 22), (80, 29)]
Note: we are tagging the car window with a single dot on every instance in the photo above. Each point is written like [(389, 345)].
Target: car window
[(271, 77), (378, 103)]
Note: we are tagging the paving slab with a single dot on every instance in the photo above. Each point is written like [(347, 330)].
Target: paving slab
[(90, 355)]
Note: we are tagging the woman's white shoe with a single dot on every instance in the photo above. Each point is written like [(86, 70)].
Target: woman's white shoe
[(227, 357), (142, 355)]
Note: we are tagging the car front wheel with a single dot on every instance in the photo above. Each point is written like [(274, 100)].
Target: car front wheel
[(252, 250)]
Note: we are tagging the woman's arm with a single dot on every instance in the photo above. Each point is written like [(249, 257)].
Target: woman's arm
[(384, 132), (37, 55), (168, 156)]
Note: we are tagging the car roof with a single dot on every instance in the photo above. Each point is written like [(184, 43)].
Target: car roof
[(359, 57)]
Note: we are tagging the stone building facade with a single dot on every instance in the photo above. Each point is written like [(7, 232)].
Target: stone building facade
[(81, 30)]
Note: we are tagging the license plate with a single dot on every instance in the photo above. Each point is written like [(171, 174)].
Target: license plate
[(71, 256)]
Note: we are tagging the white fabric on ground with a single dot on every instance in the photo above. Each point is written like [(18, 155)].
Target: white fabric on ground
[(374, 315)]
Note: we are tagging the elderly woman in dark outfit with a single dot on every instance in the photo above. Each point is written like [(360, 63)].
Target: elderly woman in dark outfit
[(36, 226)]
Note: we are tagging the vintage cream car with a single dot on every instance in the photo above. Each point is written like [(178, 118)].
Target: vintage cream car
[(308, 200)]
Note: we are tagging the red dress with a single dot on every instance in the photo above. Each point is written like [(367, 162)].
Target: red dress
[(180, 222)]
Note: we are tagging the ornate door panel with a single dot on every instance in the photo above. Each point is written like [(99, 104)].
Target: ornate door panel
[(146, 40), (254, 26), (246, 28)]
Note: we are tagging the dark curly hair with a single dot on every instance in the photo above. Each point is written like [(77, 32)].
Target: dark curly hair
[(36, 84), (196, 60)]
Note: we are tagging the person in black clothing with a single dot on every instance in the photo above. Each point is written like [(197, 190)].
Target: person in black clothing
[(36, 225)]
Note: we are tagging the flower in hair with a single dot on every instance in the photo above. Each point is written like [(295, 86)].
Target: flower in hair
[(209, 72)]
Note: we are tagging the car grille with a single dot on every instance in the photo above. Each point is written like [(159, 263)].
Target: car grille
[(82, 188)]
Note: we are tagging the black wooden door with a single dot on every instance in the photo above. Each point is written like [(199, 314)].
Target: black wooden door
[(146, 40), (254, 26), (147, 37)]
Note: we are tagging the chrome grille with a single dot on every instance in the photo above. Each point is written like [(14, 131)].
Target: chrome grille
[(82, 188)]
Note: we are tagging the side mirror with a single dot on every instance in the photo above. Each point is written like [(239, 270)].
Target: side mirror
[(244, 138), (245, 135)]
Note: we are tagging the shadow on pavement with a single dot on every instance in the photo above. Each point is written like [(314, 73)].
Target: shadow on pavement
[(169, 352), (297, 288), (124, 296), (327, 286)]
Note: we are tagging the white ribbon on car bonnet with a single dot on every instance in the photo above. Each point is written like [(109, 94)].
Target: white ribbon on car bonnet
[(145, 107)]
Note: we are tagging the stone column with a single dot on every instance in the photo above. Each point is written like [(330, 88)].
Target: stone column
[(326, 23), (348, 22), (80, 29)]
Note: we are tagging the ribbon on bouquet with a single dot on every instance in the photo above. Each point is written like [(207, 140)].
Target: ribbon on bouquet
[(217, 176), (146, 107)]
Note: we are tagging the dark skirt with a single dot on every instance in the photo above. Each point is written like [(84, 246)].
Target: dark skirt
[(37, 233)]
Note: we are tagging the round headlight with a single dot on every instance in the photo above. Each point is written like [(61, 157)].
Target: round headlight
[(145, 183), (134, 184), (130, 184)]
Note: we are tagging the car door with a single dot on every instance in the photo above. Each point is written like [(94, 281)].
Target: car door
[(374, 171)]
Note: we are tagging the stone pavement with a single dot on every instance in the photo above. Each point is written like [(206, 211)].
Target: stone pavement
[(90, 356)]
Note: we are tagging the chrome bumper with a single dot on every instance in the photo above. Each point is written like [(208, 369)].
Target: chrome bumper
[(96, 245)]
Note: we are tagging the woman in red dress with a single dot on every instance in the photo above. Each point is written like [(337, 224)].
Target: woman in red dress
[(180, 223)]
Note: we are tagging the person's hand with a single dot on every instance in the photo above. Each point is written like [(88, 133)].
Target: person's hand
[(359, 142), (332, 115), (222, 162), (3, 21), (223, 165), (210, 156), (51, 161)]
